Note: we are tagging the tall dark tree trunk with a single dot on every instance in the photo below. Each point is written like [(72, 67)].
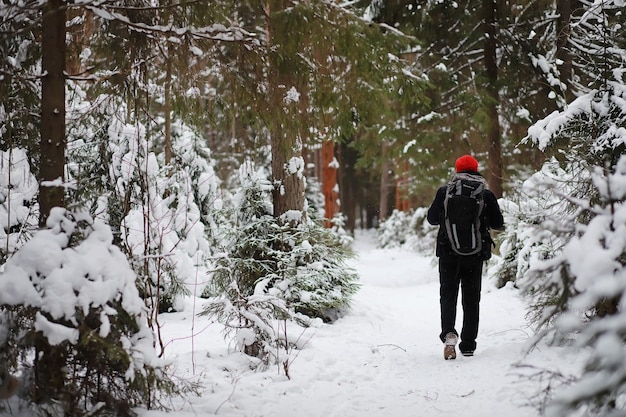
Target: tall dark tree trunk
[(52, 163), (52, 128), (493, 100), (348, 184), (287, 177), (287, 161), (386, 184)]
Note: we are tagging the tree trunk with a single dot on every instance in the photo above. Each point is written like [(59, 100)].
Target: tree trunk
[(491, 71), (386, 184), (329, 182), (287, 174), (348, 185), (287, 161), (168, 107), (79, 35), (402, 190), (52, 128)]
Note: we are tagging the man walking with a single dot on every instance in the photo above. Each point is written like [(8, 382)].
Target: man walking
[(465, 211)]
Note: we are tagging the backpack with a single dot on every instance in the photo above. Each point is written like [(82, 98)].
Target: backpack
[(463, 207)]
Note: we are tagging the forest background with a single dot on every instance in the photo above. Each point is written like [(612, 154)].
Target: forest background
[(246, 140)]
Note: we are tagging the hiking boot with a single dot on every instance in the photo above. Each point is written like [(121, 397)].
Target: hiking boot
[(467, 352), (449, 351)]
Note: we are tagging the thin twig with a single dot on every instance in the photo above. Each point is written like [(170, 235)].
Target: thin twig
[(392, 345), (229, 397), (193, 319)]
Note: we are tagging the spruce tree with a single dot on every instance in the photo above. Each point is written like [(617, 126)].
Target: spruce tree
[(574, 252), (274, 272)]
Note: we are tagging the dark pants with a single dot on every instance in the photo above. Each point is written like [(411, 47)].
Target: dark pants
[(466, 271)]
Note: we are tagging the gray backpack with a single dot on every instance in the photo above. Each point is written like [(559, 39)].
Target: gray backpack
[(463, 207)]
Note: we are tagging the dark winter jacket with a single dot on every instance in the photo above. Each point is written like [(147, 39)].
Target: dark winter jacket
[(491, 218)]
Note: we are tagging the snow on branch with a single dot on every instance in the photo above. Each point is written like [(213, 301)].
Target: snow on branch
[(216, 32)]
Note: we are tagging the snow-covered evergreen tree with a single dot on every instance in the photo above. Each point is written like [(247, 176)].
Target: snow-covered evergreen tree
[(574, 254), (595, 261), (539, 219), (121, 180), (273, 271), (409, 230), (76, 328)]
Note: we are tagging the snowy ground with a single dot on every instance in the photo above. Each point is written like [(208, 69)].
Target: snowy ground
[(383, 359)]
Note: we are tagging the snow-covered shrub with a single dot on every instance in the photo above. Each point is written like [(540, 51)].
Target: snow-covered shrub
[(274, 270), (161, 215), (311, 274), (338, 227), (392, 232), (511, 243), (409, 229), (538, 221), (18, 194), (129, 197), (77, 327)]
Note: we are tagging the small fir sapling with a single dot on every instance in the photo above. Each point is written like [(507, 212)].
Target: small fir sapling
[(275, 271)]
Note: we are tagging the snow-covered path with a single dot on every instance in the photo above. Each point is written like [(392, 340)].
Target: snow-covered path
[(383, 359)]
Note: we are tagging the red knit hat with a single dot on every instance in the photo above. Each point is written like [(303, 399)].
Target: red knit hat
[(466, 163)]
